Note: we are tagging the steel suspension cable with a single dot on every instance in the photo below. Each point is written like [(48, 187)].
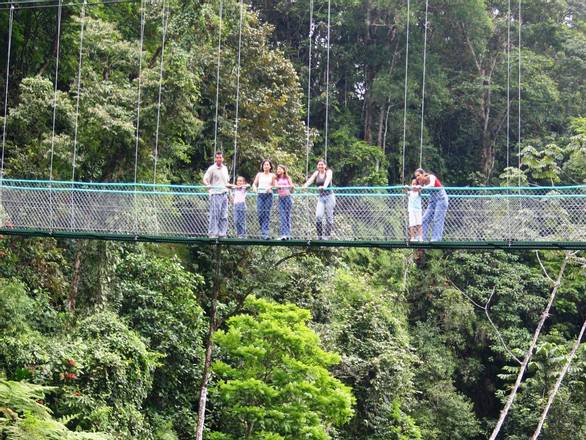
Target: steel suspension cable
[(45, 5), (165, 19), (404, 152), (10, 21), (221, 12), (509, 221), (508, 87), (423, 84), (307, 125), (139, 86), (59, 11), (77, 99), (519, 100), (326, 131), (236, 120)]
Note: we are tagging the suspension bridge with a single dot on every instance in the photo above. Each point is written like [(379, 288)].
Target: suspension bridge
[(512, 217), (480, 218)]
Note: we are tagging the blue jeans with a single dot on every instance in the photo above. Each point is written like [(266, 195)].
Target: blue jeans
[(285, 205), (435, 216), (325, 208), (240, 219), (218, 215), (264, 202)]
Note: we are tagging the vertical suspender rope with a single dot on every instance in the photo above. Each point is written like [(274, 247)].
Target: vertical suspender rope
[(138, 103), (218, 77), (509, 219), (520, 23), (423, 84), (59, 10), (404, 152), (307, 125), (508, 86), (161, 69), (76, 124), (139, 91), (81, 31), (51, 204), (405, 93), (327, 83), (236, 120), (10, 21)]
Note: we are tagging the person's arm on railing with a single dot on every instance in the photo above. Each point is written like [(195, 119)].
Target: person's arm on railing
[(328, 181), (255, 183), (310, 180)]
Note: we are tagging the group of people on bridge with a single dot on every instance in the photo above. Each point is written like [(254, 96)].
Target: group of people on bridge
[(266, 182)]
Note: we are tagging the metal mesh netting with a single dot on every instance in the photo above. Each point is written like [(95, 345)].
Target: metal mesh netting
[(361, 213)]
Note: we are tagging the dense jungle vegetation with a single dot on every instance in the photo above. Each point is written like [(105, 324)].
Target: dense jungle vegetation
[(108, 340)]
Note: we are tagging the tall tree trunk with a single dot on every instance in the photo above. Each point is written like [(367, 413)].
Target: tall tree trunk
[(203, 389), (381, 126), (529, 353), (487, 153), (369, 105), (51, 57), (558, 383), (368, 76), (74, 289)]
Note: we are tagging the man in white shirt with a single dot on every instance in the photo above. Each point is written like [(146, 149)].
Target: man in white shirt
[(216, 179)]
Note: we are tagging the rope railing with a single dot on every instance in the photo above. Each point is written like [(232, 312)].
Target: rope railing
[(541, 214)]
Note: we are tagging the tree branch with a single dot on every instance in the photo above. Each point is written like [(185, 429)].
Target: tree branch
[(496, 329), (529, 353), (288, 257), (558, 383), (543, 269), (485, 307)]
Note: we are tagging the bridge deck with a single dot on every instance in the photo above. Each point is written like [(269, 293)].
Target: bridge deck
[(477, 218)]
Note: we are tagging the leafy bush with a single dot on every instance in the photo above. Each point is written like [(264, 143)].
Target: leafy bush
[(274, 382)]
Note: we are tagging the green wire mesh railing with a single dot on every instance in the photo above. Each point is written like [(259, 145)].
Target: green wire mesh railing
[(376, 214)]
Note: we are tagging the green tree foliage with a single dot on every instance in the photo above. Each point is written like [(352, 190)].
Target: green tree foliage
[(368, 328), (273, 377), (159, 300), (23, 415), (118, 331)]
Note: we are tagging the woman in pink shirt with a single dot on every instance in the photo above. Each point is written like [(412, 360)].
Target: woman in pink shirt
[(285, 187), (435, 214)]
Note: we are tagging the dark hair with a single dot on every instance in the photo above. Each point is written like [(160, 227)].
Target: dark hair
[(263, 163), (420, 171), (284, 170), (218, 153), (241, 177), (324, 161)]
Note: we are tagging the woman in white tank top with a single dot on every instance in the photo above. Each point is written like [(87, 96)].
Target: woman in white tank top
[(263, 186), (324, 210)]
